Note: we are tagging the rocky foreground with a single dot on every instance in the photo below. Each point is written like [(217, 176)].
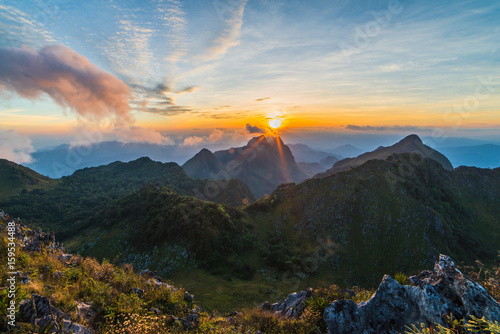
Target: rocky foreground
[(429, 299)]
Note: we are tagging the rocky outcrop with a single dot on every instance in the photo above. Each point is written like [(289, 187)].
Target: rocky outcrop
[(38, 311), (432, 295), (291, 307)]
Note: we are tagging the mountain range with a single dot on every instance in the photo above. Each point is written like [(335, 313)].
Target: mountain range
[(410, 144), (262, 164), (391, 209)]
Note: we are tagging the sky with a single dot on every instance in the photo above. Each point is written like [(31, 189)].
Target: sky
[(194, 73)]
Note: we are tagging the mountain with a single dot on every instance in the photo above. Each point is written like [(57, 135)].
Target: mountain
[(346, 150), (263, 164), (482, 156), (304, 153), (66, 207), (405, 210), (63, 160), (410, 144), (187, 231), (14, 178)]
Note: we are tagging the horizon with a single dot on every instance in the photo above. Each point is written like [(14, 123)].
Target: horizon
[(196, 74)]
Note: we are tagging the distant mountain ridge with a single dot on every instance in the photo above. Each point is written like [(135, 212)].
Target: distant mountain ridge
[(262, 164), (63, 160), (410, 144)]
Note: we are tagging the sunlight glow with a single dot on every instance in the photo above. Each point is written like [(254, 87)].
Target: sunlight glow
[(275, 122)]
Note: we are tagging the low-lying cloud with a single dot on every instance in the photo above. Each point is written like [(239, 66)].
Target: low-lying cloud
[(382, 128), (254, 129), (68, 78), (15, 147)]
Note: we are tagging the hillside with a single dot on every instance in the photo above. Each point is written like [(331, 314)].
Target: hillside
[(66, 207), (403, 210), (263, 164), (410, 144), (14, 178)]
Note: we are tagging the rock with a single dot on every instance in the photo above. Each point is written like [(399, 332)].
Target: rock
[(65, 257), (38, 307), (85, 310), (443, 291), (188, 297), (58, 274), (139, 292), (39, 311), (292, 306), (148, 273), (191, 321)]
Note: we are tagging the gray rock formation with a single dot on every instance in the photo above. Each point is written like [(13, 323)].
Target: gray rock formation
[(291, 307), (433, 294), (38, 311)]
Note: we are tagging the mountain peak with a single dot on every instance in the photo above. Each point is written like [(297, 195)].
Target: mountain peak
[(413, 138), (257, 140)]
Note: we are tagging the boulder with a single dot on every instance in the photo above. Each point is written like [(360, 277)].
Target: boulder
[(432, 296), (39, 311), (291, 307)]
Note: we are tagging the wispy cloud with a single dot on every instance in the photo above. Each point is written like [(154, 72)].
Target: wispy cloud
[(262, 99), (229, 34)]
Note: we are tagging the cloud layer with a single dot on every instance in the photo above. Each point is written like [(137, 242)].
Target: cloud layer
[(14, 147), (68, 78)]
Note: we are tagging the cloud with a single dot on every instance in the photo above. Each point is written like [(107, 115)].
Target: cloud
[(232, 20), (193, 141), (383, 128), (15, 147), (190, 89), (263, 99), (216, 135), (168, 111), (254, 129), (68, 78), (139, 134)]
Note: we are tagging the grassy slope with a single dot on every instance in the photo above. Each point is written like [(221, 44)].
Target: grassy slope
[(14, 178)]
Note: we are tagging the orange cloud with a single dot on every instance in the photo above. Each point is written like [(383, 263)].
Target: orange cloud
[(68, 78)]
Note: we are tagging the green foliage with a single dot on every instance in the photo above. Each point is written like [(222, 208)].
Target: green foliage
[(401, 278), (473, 325)]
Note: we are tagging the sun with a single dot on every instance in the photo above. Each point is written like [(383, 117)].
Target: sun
[(275, 122)]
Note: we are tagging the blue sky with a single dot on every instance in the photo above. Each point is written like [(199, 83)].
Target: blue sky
[(329, 66)]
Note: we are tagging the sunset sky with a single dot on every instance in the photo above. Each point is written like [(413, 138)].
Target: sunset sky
[(193, 72)]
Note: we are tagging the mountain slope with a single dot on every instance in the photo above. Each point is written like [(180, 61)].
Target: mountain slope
[(389, 211), (187, 230), (66, 207), (304, 153), (14, 178), (410, 144), (263, 164)]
